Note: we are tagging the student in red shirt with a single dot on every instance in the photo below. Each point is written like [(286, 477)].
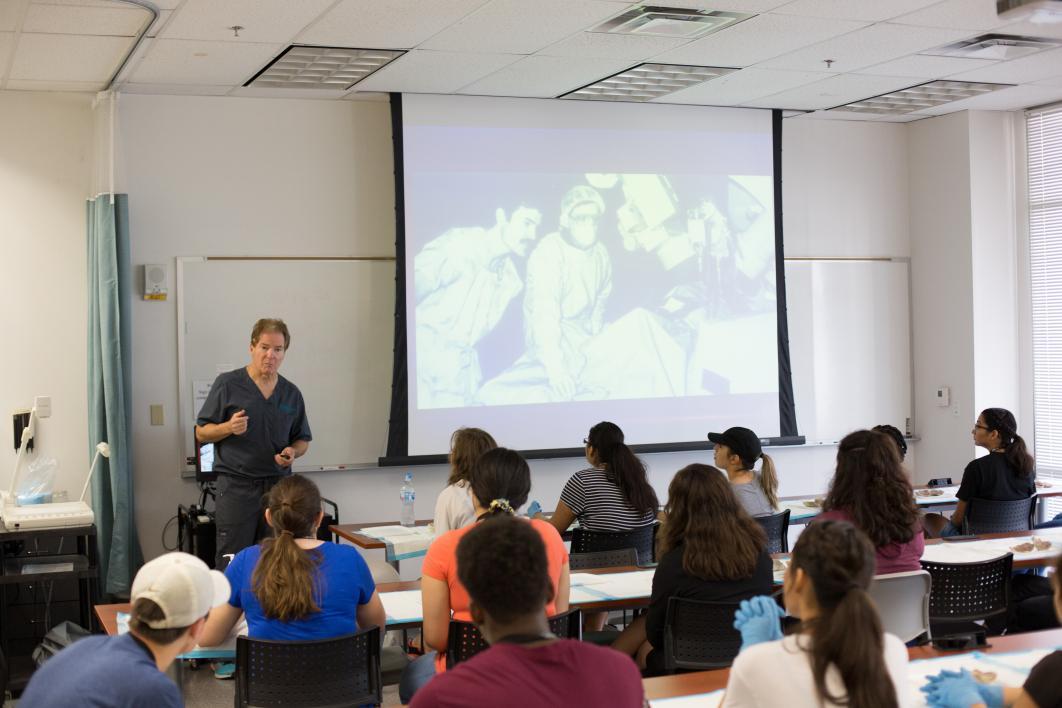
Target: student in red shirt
[(870, 489), (502, 563)]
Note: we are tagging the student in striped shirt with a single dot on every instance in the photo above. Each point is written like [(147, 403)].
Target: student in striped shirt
[(614, 493)]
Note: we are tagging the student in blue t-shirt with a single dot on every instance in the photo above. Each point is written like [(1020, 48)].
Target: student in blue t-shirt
[(294, 586)]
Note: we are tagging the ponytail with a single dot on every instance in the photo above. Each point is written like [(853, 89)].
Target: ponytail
[(846, 634), (769, 480), (285, 579), (501, 481), (623, 467), (1015, 452)]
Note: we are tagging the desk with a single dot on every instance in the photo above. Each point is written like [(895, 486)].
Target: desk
[(708, 681), (993, 545), (108, 619), (352, 533)]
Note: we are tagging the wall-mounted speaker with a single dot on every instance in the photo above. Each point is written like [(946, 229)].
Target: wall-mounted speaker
[(155, 282)]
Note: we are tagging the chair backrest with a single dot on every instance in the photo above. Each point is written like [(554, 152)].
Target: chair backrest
[(777, 528), (940, 482), (903, 603), (990, 516), (344, 671), (465, 640), (964, 592), (699, 634), (640, 539), (603, 559)]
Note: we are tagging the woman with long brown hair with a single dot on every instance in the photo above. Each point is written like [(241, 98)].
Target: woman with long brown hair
[(453, 508), (840, 656), (293, 586), (870, 489), (708, 548)]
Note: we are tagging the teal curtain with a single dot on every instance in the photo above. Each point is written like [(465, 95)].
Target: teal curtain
[(110, 389)]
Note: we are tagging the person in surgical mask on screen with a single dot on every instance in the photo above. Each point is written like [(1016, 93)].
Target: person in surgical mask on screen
[(463, 282), (569, 278)]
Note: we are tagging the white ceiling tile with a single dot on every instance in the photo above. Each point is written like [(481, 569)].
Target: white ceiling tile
[(118, 21), (831, 92), (927, 67), (80, 86), (757, 39), (1049, 82), (869, 10), (1036, 67), (307, 93), (176, 89), (522, 27), (1032, 29), (1008, 99), (68, 57), (397, 24), (11, 12), (741, 86), (600, 45), (228, 63), (434, 72), (161, 4), (7, 41), (262, 20), (961, 14), (865, 47), (749, 6), (545, 77), (154, 29)]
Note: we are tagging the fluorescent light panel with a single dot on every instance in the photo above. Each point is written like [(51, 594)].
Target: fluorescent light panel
[(335, 68), (647, 81), (918, 97), (670, 21)]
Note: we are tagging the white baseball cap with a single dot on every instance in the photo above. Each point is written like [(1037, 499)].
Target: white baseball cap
[(183, 587)]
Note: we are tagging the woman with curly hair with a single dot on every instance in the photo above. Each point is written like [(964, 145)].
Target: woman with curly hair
[(870, 489)]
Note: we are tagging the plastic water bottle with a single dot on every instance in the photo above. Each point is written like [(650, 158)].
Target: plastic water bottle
[(407, 494)]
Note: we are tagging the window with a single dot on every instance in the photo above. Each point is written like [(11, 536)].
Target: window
[(1044, 139)]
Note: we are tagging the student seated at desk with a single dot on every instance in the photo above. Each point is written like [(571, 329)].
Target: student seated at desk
[(294, 586), (736, 452), (500, 481), (503, 565), (709, 548), (614, 493), (1043, 688), (840, 656), (171, 596), (1006, 473), (871, 490), (453, 508)]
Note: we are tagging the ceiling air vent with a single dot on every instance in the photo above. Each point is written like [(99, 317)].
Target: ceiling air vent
[(329, 68), (1035, 11), (1000, 47), (678, 22)]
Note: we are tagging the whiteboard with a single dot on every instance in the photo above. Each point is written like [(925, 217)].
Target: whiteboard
[(340, 313), (850, 345)]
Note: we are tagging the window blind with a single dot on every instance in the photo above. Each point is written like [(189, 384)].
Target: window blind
[(1044, 140)]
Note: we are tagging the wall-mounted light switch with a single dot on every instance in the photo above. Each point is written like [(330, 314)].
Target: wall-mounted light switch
[(156, 414)]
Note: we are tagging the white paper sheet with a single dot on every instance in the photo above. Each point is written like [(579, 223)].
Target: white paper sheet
[(699, 700), (588, 578), (971, 551), (402, 606)]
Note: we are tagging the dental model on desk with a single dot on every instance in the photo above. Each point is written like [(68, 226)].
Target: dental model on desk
[(51, 514)]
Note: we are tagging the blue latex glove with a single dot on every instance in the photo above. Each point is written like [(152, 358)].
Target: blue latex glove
[(959, 689), (758, 620), (534, 508)]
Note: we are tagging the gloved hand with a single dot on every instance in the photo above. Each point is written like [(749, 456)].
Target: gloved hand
[(758, 620), (959, 689), (533, 508)]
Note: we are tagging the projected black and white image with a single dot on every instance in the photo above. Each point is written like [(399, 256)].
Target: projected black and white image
[(541, 288)]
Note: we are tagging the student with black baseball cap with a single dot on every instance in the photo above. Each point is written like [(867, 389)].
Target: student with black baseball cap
[(736, 452)]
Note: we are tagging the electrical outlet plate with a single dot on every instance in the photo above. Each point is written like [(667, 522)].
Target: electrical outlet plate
[(43, 404)]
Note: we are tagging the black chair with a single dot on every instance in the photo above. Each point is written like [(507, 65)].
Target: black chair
[(989, 516), (777, 528), (640, 539), (331, 518), (603, 559), (465, 641), (940, 482), (963, 593), (344, 671), (699, 635)]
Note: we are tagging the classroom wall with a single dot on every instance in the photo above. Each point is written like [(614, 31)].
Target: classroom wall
[(45, 179)]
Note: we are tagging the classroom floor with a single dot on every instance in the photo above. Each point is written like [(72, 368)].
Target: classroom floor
[(202, 690)]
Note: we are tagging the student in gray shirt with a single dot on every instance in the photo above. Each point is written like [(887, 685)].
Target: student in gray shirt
[(737, 451)]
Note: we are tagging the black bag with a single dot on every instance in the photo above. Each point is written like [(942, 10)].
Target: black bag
[(58, 638)]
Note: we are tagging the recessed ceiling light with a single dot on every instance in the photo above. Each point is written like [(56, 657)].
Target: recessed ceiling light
[(647, 81), (670, 21), (1000, 47), (1035, 11), (928, 95), (335, 68)]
